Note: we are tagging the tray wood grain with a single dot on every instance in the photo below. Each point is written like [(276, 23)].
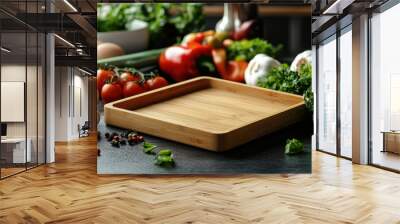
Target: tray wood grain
[(209, 113)]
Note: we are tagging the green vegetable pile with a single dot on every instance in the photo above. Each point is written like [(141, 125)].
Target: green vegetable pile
[(164, 157), (294, 146), (247, 49), (283, 79), (111, 17), (168, 22)]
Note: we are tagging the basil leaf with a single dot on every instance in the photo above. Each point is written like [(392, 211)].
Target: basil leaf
[(165, 152), (163, 160), (148, 148)]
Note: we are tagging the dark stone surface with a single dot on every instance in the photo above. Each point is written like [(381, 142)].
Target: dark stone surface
[(264, 155)]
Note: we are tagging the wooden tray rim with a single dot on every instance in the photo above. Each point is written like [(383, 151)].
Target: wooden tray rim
[(112, 106)]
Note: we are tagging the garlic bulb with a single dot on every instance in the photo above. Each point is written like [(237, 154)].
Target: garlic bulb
[(259, 66), (300, 59), (230, 20)]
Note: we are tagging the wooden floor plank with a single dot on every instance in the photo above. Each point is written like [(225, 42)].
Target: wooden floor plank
[(70, 191)]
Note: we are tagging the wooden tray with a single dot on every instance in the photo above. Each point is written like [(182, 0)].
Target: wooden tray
[(209, 113)]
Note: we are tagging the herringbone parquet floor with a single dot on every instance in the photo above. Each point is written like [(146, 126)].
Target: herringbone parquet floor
[(69, 191)]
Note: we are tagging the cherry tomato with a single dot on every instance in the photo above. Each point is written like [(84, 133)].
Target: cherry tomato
[(102, 76), (111, 92), (133, 88), (145, 86), (156, 82), (128, 76)]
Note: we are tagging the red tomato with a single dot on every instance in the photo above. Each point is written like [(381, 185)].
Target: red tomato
[(128, 76), (102, 76), (146, 86), (111, 92), (156, 82), (133, 88)]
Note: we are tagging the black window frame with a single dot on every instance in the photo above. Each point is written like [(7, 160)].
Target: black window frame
[(332, 33)]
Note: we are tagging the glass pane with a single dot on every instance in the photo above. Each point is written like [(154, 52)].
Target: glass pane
[(385, 84), (41, 99), (22, 88), (32, 96), (14, 153), (327, 96), (346, 94), (32, 86)]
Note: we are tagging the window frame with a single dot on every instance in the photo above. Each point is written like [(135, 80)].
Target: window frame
[(342, 26), (31, 30), (378, 10)]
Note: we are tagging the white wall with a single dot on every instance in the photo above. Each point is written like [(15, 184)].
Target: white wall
[(61, 103), (80, 110), (33, 126), (70, 83), (13, 73)]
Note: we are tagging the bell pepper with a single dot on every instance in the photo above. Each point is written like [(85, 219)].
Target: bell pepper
[(229, 70), (179, 62)]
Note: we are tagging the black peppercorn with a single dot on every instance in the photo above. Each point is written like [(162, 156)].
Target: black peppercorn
[(107, 135)]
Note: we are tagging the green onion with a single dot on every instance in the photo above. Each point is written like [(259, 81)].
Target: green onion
[(139, 59)]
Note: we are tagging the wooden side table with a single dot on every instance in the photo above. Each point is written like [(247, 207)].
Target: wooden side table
[(391, 141)]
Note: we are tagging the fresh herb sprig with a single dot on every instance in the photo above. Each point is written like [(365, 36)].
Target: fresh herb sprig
[(294, 146), (283, 79), (248, 49)]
